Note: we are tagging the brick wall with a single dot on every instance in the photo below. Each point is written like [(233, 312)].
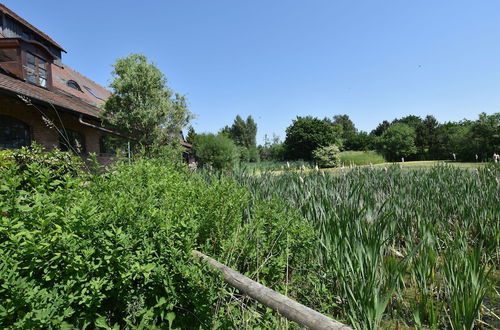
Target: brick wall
[(40, 132)]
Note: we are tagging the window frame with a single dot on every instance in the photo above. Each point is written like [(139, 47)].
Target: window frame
[(28, 134), (34, 68), (71, 134)]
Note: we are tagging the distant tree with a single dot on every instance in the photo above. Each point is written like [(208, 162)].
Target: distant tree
[(410, 120), (381, 128), (272, 150), (348, 127), (485, 135), (142, 105), (244, 135), (306, 134), (217, 151), (426, 137), (397, 141), (191, 135), (360, 141)]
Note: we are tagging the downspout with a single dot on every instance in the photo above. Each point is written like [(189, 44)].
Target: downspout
[(102, 129)]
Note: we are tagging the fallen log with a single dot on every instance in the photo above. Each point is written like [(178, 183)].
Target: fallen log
[(285, 306)]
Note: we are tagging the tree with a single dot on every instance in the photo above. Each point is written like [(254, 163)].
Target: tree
[(348, 128), (485, 133), (307, 134), (397, 141), (217, 151), (142, 105), (244, 135), (381, 128), (410, 120), (328, 156), (272, 150), (426, 137), (191, 135)]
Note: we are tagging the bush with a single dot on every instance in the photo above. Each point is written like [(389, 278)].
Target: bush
[(327, 156), (215, 151), (114, 250)]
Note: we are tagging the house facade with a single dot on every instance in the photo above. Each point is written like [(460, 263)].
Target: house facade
[(41, 98)]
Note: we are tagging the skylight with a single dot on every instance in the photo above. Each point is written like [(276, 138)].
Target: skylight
[(92, 92)]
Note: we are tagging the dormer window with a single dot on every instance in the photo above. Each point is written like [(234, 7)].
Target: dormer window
[(73, 84), (36, 70)]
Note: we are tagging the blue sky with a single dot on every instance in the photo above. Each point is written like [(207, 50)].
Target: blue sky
[(275, 60)]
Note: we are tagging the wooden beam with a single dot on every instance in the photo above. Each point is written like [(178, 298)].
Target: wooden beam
[(285, 306)]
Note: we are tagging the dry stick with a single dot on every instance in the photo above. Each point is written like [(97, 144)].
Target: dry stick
[(285, 306)]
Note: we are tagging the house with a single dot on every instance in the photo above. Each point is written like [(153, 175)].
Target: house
[(44, 100)]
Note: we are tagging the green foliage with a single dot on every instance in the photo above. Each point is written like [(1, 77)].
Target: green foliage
[(307, 134), (243, 133), (397, 141), (327, 156), (142, 105), (217, 151), (272, 150), (115, 250), (191, 135)]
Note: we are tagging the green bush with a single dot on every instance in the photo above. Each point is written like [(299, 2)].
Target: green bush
[(215, 151), (114, 250), (327, 156), (360, 158)]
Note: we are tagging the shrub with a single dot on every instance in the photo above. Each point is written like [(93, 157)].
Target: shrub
[(327, 156), (215, 151), (114, 250)]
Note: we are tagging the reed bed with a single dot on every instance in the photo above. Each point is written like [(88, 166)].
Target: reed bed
[(413, 248)]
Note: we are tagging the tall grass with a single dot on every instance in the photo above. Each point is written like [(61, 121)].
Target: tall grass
[(361, 158), (387, 239)]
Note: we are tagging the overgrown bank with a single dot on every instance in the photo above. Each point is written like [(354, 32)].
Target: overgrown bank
[(80, 250)]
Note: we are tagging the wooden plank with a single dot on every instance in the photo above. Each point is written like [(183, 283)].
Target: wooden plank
[(285, 306)]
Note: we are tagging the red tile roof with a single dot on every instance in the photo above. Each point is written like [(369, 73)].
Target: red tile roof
[(40, 94), (61, 76), (28, 25)]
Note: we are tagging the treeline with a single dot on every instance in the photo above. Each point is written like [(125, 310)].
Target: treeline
[(410, 137)]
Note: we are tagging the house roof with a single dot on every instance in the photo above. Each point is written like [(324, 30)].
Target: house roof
[(38, 94), (97, 94), (28, 25)]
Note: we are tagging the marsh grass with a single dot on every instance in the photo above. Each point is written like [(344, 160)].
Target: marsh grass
[(386, 232)]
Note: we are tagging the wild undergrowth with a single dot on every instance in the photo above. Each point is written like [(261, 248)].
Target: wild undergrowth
[(83, 250)]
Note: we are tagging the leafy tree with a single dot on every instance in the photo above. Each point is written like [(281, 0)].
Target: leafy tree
[(410, 120), (381, 128), (360, 141), (272, 150), (244, 135), (307, 134), (142, 105), (348, 127), (191, 135), (217, 151), (426, 137), (397, 141), (486, 135)]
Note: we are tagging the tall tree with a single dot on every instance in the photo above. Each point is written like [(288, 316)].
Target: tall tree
[(307, 134), (347, 125), (426, 136), (381, 128), (191, 135), (142, 105), (397, 141)]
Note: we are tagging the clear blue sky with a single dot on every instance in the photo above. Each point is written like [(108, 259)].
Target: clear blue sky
[(275, 60)]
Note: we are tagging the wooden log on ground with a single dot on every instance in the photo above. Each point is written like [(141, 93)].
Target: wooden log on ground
[(285, 306)]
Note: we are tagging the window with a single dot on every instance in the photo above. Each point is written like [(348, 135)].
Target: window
[(36, 70), (73, 84), (92, 92), (71, 140), (13, 133)]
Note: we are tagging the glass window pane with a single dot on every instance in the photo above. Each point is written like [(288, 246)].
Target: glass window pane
[(30, 58), (41, 64), (43, 82), (13, 133), (31, 78), (42, 73)]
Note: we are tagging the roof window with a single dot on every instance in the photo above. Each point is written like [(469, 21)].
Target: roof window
[(92, 92), (73, 84)]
